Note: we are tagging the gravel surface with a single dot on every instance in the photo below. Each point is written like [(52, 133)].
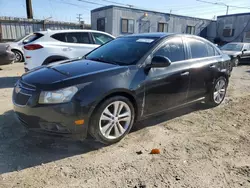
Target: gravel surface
[(199, 147)]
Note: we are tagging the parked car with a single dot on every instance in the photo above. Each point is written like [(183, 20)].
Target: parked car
[(17, 48), (46, 47), (126, 80), (237, 51), (6, 56)]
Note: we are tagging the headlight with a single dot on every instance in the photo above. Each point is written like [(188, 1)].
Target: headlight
[(58, 96)]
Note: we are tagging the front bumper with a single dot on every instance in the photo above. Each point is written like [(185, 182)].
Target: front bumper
[(7, 58), (52, 119)]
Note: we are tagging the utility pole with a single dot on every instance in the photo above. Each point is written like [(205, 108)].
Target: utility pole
[(29, 9), (79, 17), (227, 9)]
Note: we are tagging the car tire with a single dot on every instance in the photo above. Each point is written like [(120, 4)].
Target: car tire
[(237, 61), (112, 120), (217, 92), (18, 56)]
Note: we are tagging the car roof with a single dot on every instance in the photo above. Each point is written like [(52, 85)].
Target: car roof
[(51, 32), (238, 43), (153, 35)]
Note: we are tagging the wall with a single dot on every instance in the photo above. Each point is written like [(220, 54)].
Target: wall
[(240, 23), (176, 23), (13, 28), (138, 17), (107, 14)]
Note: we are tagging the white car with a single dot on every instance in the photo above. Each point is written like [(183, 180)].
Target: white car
[(45, 47), (17, 48)]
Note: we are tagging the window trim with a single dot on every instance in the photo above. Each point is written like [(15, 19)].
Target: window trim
[(191, 29), (128, 26), (164, 24)]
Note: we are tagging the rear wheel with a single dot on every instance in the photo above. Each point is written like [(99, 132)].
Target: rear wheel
[(218, 92), (18, 56), (112, 120)]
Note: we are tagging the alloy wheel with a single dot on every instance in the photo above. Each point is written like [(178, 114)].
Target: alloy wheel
[(115, 120), (18, 56), (219, 91)]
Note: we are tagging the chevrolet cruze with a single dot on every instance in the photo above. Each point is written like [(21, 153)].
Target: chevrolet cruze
[(126, 80)]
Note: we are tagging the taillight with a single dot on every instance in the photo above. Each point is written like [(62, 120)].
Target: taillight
[(33, 47)]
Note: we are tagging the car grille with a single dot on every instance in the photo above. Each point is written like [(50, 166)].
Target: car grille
[(26, 86), (22, 93)]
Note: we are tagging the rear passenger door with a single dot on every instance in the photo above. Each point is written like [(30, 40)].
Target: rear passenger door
[(204, 60), (74, 44)]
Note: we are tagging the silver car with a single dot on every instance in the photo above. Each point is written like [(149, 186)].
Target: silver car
[(6, 55), (237, 51)]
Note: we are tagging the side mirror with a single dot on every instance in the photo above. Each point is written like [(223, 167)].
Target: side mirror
[(25, 41), (244, 50), (160, 61)]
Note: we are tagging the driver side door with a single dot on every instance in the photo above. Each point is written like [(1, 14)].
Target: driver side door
[(167, 87)]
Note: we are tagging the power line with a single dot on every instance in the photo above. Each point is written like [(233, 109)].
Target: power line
[(93, 3), (222, 4), (118, 3)]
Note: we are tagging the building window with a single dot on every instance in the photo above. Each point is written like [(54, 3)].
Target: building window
[(247, 35), (228, 32), (127, 26), (190, 30), (101, 24), (162, 27)]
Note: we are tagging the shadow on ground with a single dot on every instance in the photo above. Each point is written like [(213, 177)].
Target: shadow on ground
[(8, 82), (20, 150)]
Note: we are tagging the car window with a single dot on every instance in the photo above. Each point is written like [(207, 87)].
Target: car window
[(210, 50), (32, 38), (247, 47), (73, 37), (198, 48), (101, 38), (232, 47), (173, 49)]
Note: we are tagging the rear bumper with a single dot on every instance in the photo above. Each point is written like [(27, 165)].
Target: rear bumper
[(7, 58)]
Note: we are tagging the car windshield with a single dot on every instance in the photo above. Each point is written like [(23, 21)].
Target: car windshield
[(232, 47), (123, 51)]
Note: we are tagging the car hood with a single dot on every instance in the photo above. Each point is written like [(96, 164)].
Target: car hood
[(231, 53), (64, 73)]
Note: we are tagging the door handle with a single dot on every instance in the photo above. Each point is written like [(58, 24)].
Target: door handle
[(185, 73), (67, 49)]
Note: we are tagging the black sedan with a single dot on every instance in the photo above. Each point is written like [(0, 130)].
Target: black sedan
[(237, 51), (6, 56), (123, 81)]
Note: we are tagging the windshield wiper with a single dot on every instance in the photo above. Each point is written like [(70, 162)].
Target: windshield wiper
[(102, 60)]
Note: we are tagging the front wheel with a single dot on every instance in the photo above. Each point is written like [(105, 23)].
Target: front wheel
[(236, 61), (218, 92), (112, 120)]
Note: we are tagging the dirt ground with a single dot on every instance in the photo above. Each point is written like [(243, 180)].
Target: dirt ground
[(199, 147)]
